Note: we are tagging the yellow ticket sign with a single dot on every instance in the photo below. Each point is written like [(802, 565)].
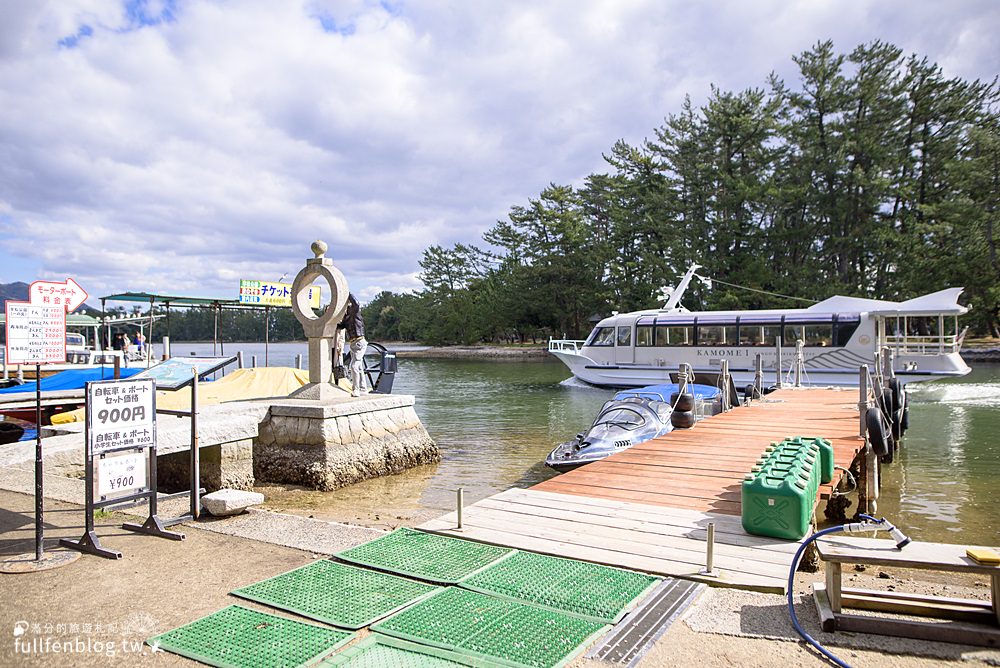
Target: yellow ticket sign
[(269, 293)]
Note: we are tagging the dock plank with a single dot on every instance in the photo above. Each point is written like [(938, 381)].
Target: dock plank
[(649, 507)]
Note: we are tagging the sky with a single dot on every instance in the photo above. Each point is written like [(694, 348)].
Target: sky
[(179, 146)]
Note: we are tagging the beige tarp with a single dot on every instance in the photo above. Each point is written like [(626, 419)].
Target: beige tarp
[(239, 385)]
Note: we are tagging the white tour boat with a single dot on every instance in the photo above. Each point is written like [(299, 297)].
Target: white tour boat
[(838, 335)]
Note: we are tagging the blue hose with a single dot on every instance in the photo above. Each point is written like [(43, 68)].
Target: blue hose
[(791, 590), (791, 584)]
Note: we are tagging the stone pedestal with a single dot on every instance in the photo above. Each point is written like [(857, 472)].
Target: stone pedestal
[(326, 445)]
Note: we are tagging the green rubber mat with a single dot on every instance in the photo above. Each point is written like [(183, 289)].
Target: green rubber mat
[(378, 651), (424, 555), (501, 631), (338, 594), (600, 593), (239, 637)]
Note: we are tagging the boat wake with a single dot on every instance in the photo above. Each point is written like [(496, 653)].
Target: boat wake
[(973, 394)]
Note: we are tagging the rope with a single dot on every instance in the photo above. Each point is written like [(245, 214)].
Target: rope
[(763, 292)]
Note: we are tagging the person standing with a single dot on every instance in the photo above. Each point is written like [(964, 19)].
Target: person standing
[(354, 327)]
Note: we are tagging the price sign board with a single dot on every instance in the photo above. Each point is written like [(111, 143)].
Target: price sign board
[(36, 333), (268, 293), (120, 475), (121, 414)]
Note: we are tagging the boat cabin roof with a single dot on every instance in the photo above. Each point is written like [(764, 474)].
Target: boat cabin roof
[(943, 302)]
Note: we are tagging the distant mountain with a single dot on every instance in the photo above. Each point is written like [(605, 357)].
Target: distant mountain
[(14, 291)]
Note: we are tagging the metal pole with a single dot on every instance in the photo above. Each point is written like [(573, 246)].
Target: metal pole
[(863, 398), (267, 334), (195, 461), (118, 367), (215, 331), (39, 497), (298, 361), (798, 362), (777, 362), (239, 359), (459, 503), (710, 551), (253, 361), (758, 376), (725, 385)]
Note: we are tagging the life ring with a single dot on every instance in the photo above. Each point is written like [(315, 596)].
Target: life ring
[(876, 432), (682, 402)]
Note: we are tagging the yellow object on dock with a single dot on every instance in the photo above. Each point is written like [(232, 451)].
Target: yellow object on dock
[(240, 385)]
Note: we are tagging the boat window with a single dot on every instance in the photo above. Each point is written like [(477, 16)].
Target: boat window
[(793, 333), (602, 336), (674, 336), (759, 335), (818, 335), (847, 324), (716, 335), (644, 335), (624, 335)]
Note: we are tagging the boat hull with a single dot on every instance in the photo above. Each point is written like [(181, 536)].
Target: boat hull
[(639, 375)]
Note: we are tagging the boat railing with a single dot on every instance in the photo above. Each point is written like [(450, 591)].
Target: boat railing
[(908, 344), (565, 346)]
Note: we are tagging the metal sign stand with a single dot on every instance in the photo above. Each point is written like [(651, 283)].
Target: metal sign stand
[(196, 490), (39, 496), (120, 448)]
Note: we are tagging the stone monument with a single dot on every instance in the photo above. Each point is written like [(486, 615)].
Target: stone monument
[(320, 330), (321, 436)]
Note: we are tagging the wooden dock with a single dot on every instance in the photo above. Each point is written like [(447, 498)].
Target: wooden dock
[(648, 508)]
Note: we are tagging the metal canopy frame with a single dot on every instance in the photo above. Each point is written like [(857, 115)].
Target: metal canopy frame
[(216, 304)]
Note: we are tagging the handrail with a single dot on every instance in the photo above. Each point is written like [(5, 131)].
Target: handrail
[(565, 345), (912, 344)]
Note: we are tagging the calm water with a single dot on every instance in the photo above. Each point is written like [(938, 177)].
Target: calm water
[(495, 422)]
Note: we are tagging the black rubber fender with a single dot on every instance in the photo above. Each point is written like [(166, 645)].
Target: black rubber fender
[(877, 435), (682, 402), (10, 432), (682, 419)]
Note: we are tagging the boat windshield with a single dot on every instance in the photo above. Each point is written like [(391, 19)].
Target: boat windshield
[(621, 416)]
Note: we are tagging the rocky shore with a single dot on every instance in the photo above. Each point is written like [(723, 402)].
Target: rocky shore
[(514, 353)]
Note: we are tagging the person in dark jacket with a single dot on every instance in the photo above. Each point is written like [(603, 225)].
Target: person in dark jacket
[(354, 327)]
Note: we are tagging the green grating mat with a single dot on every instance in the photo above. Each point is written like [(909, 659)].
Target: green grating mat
[(599, 593), (338, 594), (239, 637), (502, 631), (377, 651), (424, 555)]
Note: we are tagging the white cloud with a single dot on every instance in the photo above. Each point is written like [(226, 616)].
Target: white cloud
[(188, 145)]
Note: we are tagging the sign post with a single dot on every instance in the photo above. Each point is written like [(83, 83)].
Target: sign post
[(120, 442), (36, 334)]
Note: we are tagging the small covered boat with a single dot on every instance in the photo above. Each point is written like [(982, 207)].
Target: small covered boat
[(631, 417)]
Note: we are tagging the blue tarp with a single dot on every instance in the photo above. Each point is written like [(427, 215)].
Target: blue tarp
[(72, 379), (663, 392)]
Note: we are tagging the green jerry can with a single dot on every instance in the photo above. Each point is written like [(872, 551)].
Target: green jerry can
[(826, 456), (778, 506)]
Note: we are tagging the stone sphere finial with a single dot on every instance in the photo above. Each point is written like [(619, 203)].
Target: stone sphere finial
[(319, 248)]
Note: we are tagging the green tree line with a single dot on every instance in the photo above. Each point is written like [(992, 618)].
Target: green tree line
[(872, 175)]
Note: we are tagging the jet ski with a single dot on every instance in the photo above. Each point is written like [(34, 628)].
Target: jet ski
[(631, 417)]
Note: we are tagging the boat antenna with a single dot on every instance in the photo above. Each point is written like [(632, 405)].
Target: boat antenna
[(673, 295)]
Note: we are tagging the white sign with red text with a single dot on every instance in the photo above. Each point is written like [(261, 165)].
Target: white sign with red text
[(36, 329), (36, 334), (121, 414)]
